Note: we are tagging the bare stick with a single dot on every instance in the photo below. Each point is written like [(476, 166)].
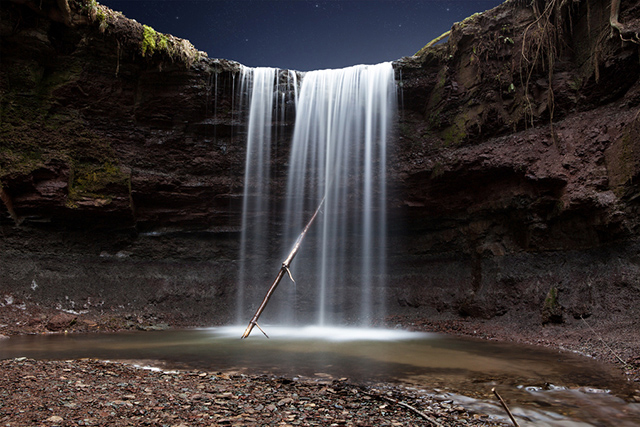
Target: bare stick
[(603, 342), (283, 270), (412, 408), (404, 405), (506, 408)]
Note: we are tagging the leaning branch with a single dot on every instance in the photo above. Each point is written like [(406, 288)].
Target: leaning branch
[(506, 408), (604, 342), (284, 269)]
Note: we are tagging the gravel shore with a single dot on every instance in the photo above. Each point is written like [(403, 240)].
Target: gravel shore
[(101, 393)]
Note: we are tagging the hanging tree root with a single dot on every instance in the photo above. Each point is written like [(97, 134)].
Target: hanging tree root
[(284, 269), (626, 34)]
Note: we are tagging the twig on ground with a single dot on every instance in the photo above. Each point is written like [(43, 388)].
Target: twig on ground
[(604, 343), (506, 408), (407, 406)]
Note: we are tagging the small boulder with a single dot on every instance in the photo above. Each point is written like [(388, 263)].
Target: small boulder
[(61, 321)]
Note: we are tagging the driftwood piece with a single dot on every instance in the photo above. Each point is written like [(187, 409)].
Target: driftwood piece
[(284, 269), (431, 420)]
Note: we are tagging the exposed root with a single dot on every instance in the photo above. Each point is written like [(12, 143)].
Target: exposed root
[(539, 50), (626, 34), (433, 42)]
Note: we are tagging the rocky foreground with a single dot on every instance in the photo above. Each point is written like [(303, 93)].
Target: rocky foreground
[(95, 392), (98, 392)]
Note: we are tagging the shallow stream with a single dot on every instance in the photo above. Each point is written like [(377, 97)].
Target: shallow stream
[(543, 387)]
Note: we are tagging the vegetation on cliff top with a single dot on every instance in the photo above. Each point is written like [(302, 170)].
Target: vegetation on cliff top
[(500, 66), (129, 35), (141, 38)]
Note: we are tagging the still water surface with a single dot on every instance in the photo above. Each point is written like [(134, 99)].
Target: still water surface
[(544, 387)]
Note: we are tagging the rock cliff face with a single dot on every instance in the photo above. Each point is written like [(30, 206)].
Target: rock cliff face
[(516, 163), (513, 174)]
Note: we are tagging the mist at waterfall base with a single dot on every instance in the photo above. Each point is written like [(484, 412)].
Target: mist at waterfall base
[(303, 34), (337, 154)]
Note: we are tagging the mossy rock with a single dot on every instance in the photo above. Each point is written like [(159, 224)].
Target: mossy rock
[(551, 309), (97, 181)]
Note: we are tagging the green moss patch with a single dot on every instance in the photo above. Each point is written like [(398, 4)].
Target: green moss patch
[(551, 309), (97, 181), (33, 136), (148, 40)]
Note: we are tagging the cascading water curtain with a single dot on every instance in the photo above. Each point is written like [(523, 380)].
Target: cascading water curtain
[(339, 148), (259, 85)]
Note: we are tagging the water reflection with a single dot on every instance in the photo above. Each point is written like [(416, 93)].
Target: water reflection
[(539, 381)]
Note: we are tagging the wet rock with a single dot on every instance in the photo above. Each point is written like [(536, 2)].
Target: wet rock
[(61, 321)]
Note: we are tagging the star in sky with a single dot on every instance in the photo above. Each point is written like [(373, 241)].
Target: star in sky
[(303, 34)]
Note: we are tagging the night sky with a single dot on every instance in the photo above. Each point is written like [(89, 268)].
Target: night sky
[(302, 34)]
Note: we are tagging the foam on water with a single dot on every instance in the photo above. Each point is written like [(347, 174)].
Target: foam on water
[(324, 333)]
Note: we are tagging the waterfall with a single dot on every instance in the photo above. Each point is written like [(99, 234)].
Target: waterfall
[(338, 151)]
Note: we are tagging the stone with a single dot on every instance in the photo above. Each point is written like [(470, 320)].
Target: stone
[(61, 321)]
